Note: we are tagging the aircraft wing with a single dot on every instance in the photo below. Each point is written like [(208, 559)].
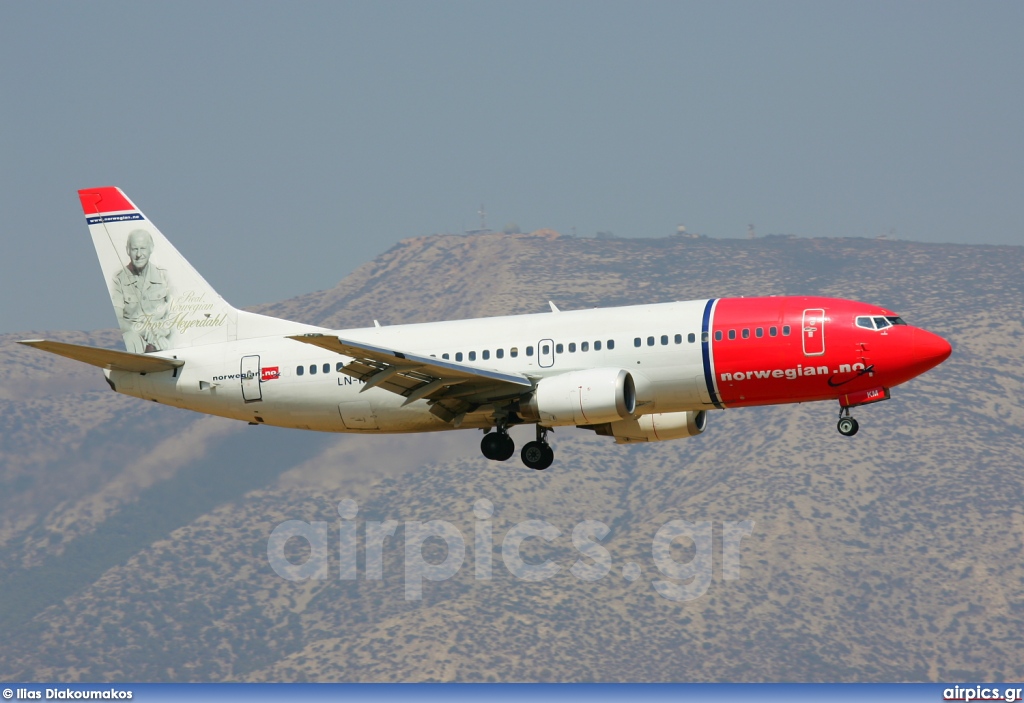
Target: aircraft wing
[(451, 388), (106, 358)]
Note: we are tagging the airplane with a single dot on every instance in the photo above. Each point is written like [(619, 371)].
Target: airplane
[(641, 373)]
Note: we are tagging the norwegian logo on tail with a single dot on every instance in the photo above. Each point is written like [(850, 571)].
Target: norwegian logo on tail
[(160, 300)]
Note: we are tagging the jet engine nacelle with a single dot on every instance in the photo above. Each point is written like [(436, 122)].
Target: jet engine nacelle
[(582, 398), (655, 428)]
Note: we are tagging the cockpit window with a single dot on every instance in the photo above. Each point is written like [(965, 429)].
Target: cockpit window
[(879, 323)]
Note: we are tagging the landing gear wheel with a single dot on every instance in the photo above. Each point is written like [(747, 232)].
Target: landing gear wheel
[(847, 426), (489, 446), (538, 455), (506, 448), (497, 446)]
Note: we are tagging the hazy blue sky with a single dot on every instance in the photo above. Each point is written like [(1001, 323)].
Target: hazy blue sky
[(281, 145)]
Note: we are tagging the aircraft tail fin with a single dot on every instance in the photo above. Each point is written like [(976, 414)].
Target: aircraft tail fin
[(160, 300)]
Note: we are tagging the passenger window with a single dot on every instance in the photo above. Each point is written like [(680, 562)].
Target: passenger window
[(650, 341), (445, 355), (732, 334), (611, 343), (773, 331), (584, 346), (785, 330), (597, 346), (637, 342), (312, 369), (679, 339), (691, 338), (664, 339), (543, 350), (514, 352), (327, 368), (472, 356), (299, 370), (746, 333), (572, 347), (339, 366), (704, 337), (529, 351), (559, 348), (718, 335), (500, 353), (487, 354), (458, 356), (881, 323), (760, 332)]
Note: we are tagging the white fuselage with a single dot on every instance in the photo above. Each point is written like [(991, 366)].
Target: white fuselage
[(669, 377)]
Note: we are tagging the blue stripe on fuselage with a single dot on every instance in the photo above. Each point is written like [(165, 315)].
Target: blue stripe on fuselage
[(705, 348)]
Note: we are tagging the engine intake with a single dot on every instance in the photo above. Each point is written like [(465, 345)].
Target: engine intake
[(655, 428), (585, 397)]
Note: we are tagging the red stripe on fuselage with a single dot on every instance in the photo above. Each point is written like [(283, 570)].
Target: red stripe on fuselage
[(820, 359), (96, 201)]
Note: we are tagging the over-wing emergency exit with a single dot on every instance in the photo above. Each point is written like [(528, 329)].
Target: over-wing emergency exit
[(643, 373)]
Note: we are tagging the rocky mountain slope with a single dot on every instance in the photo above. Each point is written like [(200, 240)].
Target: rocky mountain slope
[(135, 536)]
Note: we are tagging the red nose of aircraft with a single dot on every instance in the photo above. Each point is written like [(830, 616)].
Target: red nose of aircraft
[(929, 350)]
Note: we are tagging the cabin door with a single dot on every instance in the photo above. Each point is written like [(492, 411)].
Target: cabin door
[(814, 332), (545, 353), (250, 374)]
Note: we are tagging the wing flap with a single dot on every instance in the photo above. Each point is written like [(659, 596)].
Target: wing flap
[(409, 361), (447, 385), (106, 358)]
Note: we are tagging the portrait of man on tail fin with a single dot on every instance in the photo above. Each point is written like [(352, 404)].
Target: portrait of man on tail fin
[(142, 295)]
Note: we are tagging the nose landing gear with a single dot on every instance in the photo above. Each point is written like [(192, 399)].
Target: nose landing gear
[(847, 426), (538, 454)]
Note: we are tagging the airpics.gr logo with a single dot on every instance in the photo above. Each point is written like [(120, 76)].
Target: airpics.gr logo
[(682, 580), (981, 693)]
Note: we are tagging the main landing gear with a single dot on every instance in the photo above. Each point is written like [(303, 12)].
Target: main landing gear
[(538, 454), (847, 426), (498, 446)]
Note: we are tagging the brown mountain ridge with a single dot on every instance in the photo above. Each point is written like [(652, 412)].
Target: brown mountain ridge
[(134, 536)]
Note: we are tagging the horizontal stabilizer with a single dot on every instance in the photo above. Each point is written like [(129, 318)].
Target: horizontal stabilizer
[(106, 358)]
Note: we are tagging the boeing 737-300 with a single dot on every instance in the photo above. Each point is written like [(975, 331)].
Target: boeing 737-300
[(642, 373)]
